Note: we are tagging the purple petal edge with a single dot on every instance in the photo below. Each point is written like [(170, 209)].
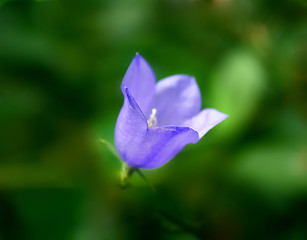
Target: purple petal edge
[(162, 144), (205, 120), (140, 80), (177, 98), (130, 127)]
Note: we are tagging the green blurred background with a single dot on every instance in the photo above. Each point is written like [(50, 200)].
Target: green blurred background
[(61, 64)]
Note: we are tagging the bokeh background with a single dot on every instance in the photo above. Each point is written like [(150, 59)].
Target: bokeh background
[(61, 64)]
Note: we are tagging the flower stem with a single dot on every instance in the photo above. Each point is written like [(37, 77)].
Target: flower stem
[(138, 171), (128, 171), (183, 224)]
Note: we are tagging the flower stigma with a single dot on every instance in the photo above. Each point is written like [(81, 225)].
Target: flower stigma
[(152, 122)]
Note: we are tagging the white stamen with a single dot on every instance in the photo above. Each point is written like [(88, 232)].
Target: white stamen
[(152, 122)]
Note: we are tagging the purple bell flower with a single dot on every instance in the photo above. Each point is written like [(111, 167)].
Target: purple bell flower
[(157, 120)]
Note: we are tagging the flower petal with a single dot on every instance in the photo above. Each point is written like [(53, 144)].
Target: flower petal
[(147, 148), (177, 98), (131, 125), (159, 146), (140, 80), (205, 120)]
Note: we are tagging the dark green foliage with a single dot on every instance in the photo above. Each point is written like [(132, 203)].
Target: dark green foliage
[(61, 64)]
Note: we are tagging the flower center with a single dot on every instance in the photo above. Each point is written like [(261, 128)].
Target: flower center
[(152, 122)]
